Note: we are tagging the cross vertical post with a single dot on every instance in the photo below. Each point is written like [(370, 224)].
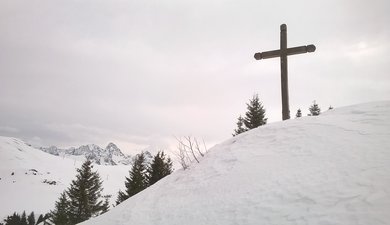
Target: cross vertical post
[(283, 52), (284, 74)]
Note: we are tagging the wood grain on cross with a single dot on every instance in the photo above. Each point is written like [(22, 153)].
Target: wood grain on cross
[(283, 52)]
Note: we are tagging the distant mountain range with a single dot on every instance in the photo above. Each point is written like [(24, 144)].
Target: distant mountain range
[(111, 155)]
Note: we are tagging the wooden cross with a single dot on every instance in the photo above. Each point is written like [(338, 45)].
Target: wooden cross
[(283, 52)]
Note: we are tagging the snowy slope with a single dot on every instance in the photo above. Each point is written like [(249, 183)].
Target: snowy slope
[(330, 169), (26, 188)]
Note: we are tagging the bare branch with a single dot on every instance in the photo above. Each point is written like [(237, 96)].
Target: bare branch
[(189, 150), (192, 148), (197, 147), (204, 144)]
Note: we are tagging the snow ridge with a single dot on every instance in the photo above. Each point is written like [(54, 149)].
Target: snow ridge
[(329, 169)]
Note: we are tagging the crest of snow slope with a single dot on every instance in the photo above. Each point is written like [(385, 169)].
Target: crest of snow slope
[(26, 190), (330, 169)]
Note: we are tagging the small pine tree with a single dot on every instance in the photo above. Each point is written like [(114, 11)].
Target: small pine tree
[(59, 215), (23, 219), (85, 194), (299, 113), (240, 126), (136, 181), (314, 109), (121, 196), (31, 219), (14, 219), (42, 218), (106, 204), (255, 116), (159, 168)]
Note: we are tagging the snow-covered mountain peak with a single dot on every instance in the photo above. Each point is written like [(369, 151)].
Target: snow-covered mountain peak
[(111, 155), (52, 150), (113, 149)]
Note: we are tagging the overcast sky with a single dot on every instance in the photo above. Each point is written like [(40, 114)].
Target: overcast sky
[(137, 73)]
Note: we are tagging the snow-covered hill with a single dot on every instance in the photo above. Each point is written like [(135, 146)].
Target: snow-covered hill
[(111, 155), (330, 169), (32, 180)]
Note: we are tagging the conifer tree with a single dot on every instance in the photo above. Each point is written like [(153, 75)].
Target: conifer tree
[(159, 168), (255, 116), (299, 113), (240, 126), (59, 215), (106, 204), (314, 109), (85, 194), (43, 218), (121, 196), (136, 181), (31, 219), (14, 219), (23, 219)]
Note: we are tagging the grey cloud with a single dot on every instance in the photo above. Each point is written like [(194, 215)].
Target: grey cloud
[(140, 72)]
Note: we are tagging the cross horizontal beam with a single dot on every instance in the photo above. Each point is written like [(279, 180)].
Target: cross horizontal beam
[(288, 51)]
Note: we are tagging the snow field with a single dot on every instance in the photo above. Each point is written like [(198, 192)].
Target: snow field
[(330, 169), (26, 191)]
